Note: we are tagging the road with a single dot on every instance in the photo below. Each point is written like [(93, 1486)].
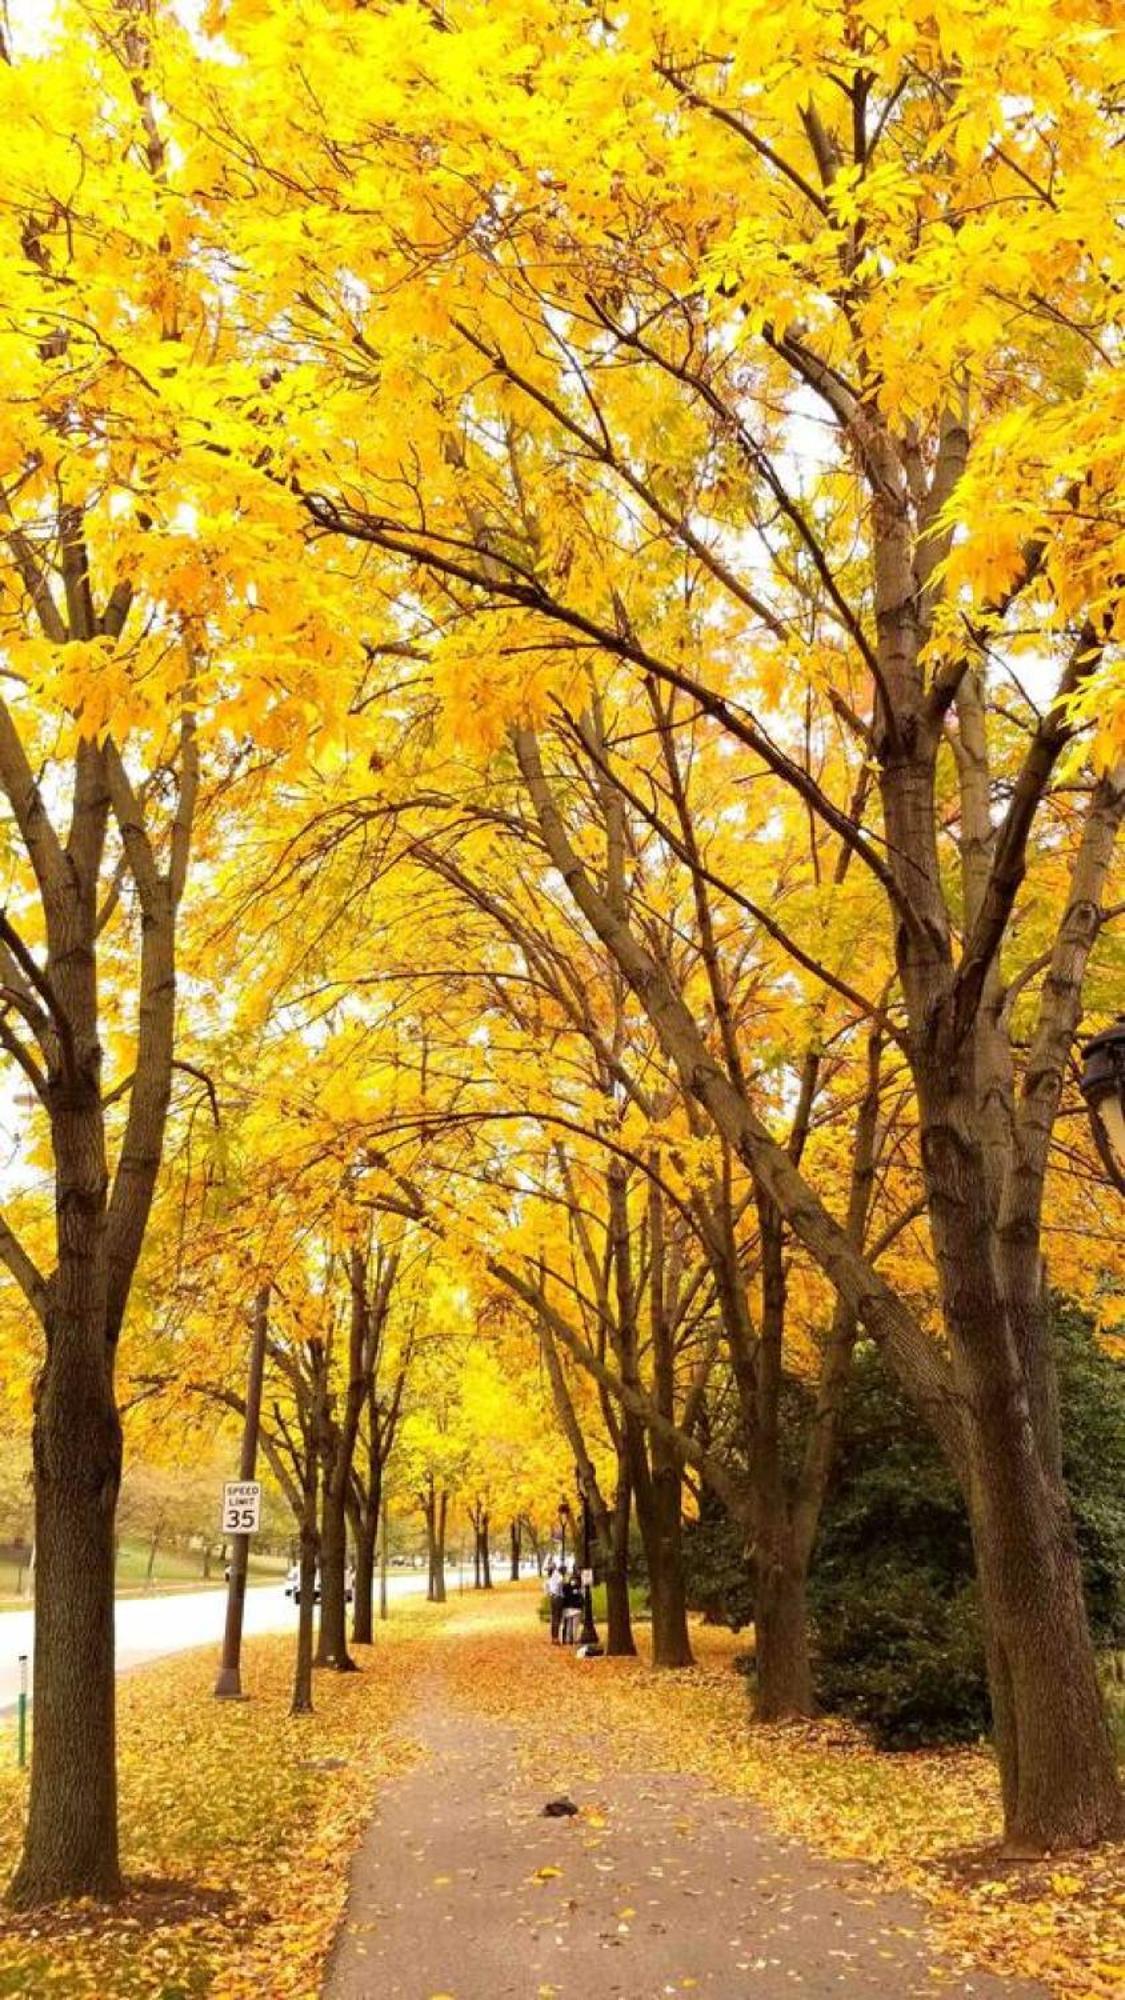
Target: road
[(150, 1627)]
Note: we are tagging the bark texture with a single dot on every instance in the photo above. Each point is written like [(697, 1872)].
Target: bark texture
[(70, 1846)]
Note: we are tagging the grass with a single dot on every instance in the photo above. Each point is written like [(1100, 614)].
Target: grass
[(174, 1569), (236, 1822)]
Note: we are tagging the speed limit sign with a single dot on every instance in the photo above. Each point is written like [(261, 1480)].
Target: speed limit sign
[(242, 1506)]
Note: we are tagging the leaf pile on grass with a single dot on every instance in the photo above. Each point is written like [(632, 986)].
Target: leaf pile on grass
[(929, 1822), (237, 1824)]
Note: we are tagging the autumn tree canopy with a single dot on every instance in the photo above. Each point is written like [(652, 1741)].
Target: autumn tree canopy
[(563, 760)]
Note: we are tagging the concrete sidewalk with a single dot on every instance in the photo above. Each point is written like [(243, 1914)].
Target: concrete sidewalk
[(462, 1890)]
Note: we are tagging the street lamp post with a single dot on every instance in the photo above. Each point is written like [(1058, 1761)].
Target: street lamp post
[(564, 1516), (589, 1635), (1103, 1087)]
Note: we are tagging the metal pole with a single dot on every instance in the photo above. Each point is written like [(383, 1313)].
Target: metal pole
[(228, 1687), (383, 1559), (21, 1722)]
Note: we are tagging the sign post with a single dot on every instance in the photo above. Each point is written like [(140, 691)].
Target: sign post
[(243, 1498)]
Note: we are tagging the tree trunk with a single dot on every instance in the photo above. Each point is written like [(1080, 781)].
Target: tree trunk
[(614, 1529), (429, 1515), (363, 1610), (1058, 1771), (302, 1703), (153, 1545), (332, 1641), (671, 1646), (439, 1549), (485, 1555), (1057, 1765), (515, 1552), (781, 1636), (71, 1840), (383, 1607)]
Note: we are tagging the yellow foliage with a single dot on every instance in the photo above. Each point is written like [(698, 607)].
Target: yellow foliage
[(237, 1825)]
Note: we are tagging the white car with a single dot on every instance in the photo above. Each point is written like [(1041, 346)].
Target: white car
[(293, 1585)]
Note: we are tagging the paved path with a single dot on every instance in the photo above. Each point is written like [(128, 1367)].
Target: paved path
[(462, 1890), (150, 1627)]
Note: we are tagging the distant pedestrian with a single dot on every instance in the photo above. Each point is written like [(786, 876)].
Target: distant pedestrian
[(555, 1600), (572, 1605)]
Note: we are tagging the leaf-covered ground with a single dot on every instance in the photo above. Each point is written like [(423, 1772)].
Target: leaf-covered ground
[(929, 1822), (238, 1823)]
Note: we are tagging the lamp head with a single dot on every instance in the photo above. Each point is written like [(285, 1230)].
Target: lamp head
[(1103, 1087)]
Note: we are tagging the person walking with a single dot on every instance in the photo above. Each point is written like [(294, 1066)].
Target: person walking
[(555, 1599)]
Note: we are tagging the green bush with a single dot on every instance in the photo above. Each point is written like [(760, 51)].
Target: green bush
[(896, 1619), (717, 1574), (908, 1664), (897, 1627), (897, 1639)]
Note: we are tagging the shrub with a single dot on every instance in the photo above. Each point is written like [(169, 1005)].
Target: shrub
[(898, 1641), (896, 1619), (717, 1573)]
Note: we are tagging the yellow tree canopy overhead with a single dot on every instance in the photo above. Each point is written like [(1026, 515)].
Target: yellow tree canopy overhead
[(666, 251)]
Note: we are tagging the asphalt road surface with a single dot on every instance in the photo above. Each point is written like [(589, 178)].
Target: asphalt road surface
[(150, 1627)]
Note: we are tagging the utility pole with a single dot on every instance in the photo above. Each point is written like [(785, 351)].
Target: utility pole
[(228, 1687)]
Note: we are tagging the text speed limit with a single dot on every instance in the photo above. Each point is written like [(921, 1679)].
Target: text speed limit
[(242, 1506)]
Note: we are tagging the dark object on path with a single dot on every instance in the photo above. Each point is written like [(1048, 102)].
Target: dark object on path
[(559, 1809)]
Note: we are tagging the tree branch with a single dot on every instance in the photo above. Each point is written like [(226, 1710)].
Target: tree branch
[(1009, 859), (886, 1317)]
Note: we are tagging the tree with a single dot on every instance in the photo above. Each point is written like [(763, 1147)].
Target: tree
[(867, 231), (130, 457), (371, 1274)]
